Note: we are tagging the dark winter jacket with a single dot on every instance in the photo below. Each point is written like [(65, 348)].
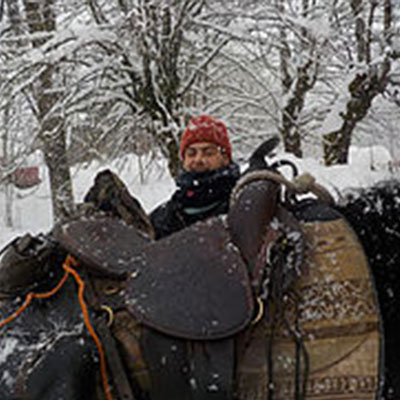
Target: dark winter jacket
[(199, 195)]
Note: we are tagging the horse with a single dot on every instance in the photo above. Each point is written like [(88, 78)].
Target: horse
[(373, 213), (275, 301)]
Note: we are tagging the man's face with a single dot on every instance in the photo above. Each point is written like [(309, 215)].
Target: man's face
[(204, 156)]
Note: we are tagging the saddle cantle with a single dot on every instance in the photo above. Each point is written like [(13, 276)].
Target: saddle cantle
[(193, 284)]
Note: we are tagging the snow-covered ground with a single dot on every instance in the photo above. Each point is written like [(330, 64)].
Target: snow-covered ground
[(32, 209)]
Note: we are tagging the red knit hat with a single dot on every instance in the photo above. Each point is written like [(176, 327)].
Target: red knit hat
[(206, 129)]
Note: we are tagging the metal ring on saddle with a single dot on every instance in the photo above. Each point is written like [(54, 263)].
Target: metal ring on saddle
[(110, 313), (260, 312), (111, 290)]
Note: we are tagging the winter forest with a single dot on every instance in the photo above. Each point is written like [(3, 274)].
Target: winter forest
[(83, 80)]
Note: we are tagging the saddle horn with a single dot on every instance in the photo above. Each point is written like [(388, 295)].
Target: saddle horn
[(257, 159)]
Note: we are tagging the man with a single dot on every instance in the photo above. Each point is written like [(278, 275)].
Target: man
[(206, 182)]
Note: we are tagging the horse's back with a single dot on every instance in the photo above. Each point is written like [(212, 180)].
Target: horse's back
[(45, 353)]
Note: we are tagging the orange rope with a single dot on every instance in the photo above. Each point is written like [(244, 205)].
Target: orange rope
[(70, 260), (31, 296)]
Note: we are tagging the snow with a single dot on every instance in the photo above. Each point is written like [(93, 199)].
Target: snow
[(32, 208), (366, 166), (7, 348)]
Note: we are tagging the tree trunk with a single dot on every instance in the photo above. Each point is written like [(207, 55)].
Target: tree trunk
[(54, 147), (8, 186), (169, 146), (290, 130), (174, 161), (41, 18), (9, 196), (363, 89), (360, 30), (290, 117), (296, 86), (336, 144)]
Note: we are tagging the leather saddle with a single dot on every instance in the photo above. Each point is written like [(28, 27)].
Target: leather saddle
[(195, 284)]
